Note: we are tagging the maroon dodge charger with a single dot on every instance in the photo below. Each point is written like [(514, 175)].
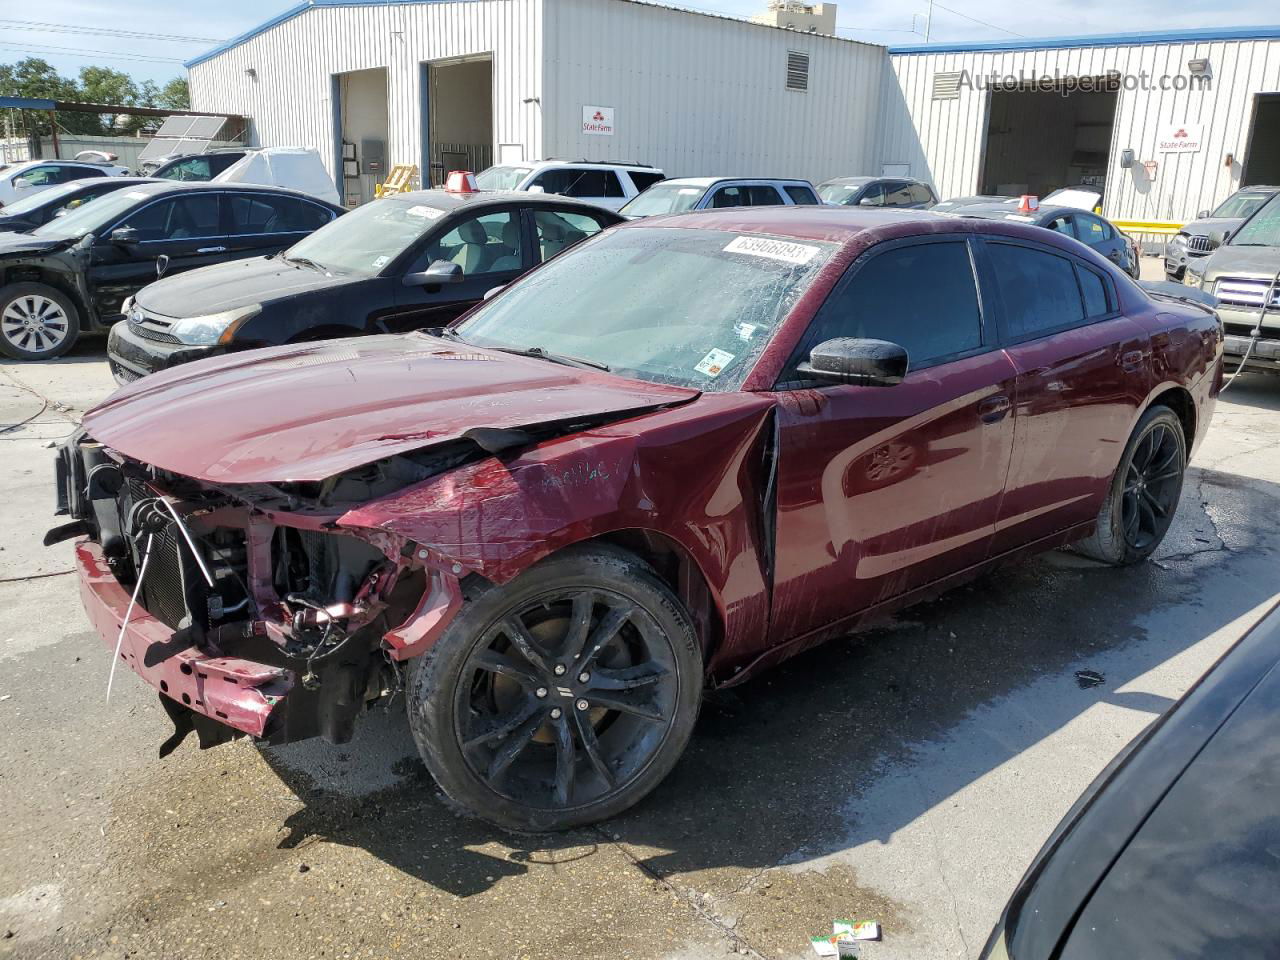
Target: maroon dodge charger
[(677, 454)]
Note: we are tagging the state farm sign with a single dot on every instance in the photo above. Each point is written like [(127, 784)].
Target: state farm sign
[(1181, 138), (597, 121)]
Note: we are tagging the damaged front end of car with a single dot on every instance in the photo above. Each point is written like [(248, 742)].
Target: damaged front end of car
[(251, 608)]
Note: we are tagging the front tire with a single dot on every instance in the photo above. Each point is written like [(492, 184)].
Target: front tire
[(37, 322), (1144, 492), (561, 698)]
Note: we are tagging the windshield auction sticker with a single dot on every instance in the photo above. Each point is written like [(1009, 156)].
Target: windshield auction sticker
[(427, 213), (714, 362), (773, 249)]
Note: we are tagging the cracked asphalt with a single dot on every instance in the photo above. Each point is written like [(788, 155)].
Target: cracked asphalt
[(905, 775)]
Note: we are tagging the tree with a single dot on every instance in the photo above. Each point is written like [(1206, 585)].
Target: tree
[(175, 95)]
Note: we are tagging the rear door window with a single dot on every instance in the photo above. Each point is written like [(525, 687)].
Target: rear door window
[(267, 214), (558, 230), (81, 173), (897, 194), (581, 183), (1038, 291), (801, 195), (763, 195), (920, 193), (887, 299), (643, 181)]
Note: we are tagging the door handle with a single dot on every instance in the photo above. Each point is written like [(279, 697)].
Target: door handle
[(994, 409), (211, 250)]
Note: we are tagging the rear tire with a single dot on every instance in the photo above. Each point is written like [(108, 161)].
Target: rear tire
[(561, 698), (1144, 492), (37, 322)]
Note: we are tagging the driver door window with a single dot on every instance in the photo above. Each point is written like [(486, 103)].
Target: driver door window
[(1062, 225), (487, 244), (873, 196), (193, 168), (39, 177), (182, 218), (558, 230)]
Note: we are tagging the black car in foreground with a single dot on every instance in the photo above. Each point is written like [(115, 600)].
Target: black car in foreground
[(411, 260), (38, 209), (1089, 228), (74, 273), (1174, 851)]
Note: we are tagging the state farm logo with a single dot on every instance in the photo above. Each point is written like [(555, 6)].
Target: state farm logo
[(597, 120), (1181, 133), (598, 117), (1181, 138)]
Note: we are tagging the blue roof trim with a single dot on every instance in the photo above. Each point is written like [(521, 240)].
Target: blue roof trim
[(289, 15), (1099, 40), (28, 103)]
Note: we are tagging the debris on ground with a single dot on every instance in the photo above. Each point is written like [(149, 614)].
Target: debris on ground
[(1089, 678), (845, 937)]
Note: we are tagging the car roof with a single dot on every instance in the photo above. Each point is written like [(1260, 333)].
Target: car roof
[(1004, 211), (617, 164), (833, 224), (442, 199), (156, 186), (712, 181)]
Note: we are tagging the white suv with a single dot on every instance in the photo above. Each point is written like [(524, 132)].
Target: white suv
[(606, 184), (19, 180)]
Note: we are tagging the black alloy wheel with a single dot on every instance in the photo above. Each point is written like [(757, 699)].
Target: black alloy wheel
[(562, 697)]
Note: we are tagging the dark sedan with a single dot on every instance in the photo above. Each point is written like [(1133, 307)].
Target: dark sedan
[(1089, 228), (74, 274), (35, 211), (1172, 851), (412, 260)]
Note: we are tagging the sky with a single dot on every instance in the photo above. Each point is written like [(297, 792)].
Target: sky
[(69, 33)]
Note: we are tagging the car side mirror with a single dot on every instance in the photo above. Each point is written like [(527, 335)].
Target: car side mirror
[(124, 236), (1202, 214), (868, 202), (493, 291), (1217, 238), (22, 184), (442, 271), (862, 362)]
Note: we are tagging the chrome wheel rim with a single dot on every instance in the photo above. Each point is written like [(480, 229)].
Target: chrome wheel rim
[(1152, 483), (34, 323), (566, 700)]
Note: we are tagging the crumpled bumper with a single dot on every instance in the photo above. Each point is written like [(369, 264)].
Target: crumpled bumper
[(240, 694)]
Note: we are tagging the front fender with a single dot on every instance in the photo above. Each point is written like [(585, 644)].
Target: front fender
[(693, 474)]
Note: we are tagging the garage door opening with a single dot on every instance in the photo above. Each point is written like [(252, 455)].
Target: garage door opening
[(361, 127), (1040, 140), (1262, 163), (458, 115)]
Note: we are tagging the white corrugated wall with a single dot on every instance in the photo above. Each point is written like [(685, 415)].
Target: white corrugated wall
[(943, 139), (701, 95), (289, 100)]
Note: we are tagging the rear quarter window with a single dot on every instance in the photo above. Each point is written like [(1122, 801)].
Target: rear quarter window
[(643, 181)]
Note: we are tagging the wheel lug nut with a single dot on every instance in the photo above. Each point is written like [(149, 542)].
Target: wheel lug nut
[(540, 693), (560, 669), (584, 677), (583, 705), (555, 713)]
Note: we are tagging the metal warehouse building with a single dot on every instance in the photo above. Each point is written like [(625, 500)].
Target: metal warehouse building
[(1166, 123), (462, 83)]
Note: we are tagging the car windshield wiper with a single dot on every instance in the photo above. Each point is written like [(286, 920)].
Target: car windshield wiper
[(304, 262), (560, 358)]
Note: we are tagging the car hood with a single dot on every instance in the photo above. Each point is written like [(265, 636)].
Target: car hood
[(24, 245), (1202, 228), (311, 411), (1232, 261), (237, 283)]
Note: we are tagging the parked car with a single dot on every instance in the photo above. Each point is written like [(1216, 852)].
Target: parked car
[(38, 209), (20, 180), (878, 192), (198, 167), (1192, 243), (1243, 272), (73, 274), (955, 203), (1089, 228), (683, 451), (406, 261), (606, 184), (710, 193), (1170, 852)]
